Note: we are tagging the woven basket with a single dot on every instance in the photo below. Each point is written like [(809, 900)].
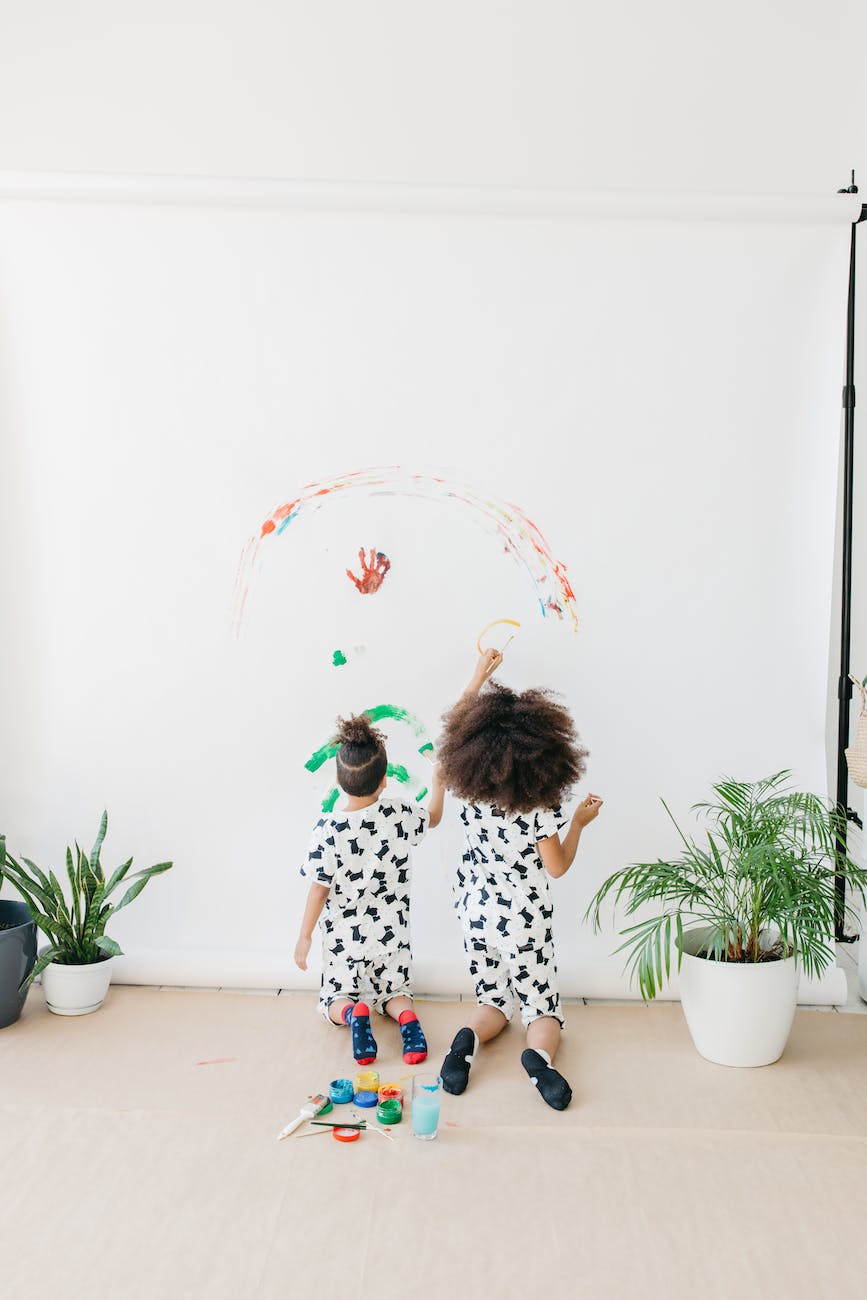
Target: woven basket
[(856, 754)]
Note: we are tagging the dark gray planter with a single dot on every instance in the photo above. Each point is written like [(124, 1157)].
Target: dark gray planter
[(17, 957)]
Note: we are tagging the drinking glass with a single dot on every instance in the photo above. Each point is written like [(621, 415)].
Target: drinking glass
[(426, 1096)]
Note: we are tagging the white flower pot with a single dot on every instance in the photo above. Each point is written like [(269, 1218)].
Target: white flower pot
[(739, 1013), (76, 990)]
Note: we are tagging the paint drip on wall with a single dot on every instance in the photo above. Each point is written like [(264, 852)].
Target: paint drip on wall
[(522, 539)]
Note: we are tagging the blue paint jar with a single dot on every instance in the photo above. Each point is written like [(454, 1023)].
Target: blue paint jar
[(366, 1099), (340, 1091)]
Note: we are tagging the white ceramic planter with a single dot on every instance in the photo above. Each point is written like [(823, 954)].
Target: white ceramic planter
[(76, 990), (739, 1013)]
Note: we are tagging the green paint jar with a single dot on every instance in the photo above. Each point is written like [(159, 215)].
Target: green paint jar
[(389, 1111)]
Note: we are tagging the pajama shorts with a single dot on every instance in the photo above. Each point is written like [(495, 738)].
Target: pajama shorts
[(375, 980), (527, 973)]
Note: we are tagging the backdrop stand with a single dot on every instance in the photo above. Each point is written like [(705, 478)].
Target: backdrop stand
[(845, 814)]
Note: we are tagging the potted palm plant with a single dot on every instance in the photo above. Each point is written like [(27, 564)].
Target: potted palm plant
[(76, 963), (17, 952), (745, 912)]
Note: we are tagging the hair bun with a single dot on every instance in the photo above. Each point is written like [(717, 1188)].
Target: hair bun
[(357, 731)]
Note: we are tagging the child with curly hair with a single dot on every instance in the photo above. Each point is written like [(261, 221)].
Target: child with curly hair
[(358, 863), (511, 759)]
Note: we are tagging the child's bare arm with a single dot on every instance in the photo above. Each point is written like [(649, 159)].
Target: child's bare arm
[(316, 897), (435, 807), (557, 858), (488, 663)]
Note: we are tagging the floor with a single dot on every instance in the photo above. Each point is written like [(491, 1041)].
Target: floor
[(140, 1155)]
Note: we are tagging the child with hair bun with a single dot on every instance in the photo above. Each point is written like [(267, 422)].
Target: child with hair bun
[(511, 759), (358, 863)]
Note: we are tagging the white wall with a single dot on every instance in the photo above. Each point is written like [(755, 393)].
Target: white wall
[(737, 97), (722, 95)]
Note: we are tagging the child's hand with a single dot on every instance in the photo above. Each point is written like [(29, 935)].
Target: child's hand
[(489, 662), (588, 809), (302, 949)]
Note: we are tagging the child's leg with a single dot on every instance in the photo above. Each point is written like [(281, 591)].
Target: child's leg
[(544, 1036), (343, 1011), (543, 1039), (482, 1025), (402, 1010), (488, 1019)]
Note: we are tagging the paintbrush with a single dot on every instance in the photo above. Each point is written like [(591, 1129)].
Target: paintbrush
[(327, 1123), (311, 1107)]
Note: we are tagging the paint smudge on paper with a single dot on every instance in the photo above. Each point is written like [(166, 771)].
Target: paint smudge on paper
[(373, 571), (218, 1060), (338, 659), (522, 540)]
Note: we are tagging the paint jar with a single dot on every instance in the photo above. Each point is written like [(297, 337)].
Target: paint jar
[(341, 1091), (389, 1111), (391, 1091), (365, 1099), (367, 1081)]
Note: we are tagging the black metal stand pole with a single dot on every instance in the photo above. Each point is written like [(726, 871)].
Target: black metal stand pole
[(844, 686)]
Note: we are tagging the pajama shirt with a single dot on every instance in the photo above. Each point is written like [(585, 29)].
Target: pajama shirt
[(503, 898), (364, 859)]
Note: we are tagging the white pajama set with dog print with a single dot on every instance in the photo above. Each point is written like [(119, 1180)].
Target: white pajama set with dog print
[(503, 898), (364, 859)]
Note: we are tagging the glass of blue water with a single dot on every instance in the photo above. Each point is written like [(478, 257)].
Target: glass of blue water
[(426, 1096)]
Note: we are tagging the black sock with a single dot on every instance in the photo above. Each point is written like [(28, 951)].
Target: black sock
[(455, 1072), (553, 1087)]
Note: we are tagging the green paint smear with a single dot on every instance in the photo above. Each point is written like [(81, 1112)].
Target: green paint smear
[(421, 794), (380, 711), (398, 772), (321, 756), (376, 714), (427, 748), (339, 659), (330, 800)]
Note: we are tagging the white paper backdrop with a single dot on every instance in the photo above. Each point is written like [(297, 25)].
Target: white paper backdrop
[(661, 396)]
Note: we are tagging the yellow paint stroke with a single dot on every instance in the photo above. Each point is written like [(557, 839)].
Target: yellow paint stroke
[(496, 623)]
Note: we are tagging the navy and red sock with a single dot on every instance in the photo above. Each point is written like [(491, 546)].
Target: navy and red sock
[(414, 1042), (357, 1016)]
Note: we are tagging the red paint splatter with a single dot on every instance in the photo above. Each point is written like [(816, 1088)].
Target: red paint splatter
[(373, 572)]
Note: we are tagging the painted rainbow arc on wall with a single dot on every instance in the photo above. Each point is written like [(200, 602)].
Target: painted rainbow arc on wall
[(522, 539)]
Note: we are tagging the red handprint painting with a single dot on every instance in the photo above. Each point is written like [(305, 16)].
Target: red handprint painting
[(373, 571)]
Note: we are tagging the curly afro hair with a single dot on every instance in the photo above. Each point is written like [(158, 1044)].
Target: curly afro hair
[(517, 752), (361, 757)]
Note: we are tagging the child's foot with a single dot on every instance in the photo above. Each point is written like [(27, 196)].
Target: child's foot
[(553, 1087), (414, 1044), (363, 1041), (455, 1072)]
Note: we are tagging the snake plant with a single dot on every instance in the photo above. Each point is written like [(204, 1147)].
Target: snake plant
[(74, 920)]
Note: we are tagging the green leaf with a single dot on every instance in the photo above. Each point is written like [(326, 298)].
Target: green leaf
[(141, 878), (116, 878), (109, 946), (41, 962), (97, 844)]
